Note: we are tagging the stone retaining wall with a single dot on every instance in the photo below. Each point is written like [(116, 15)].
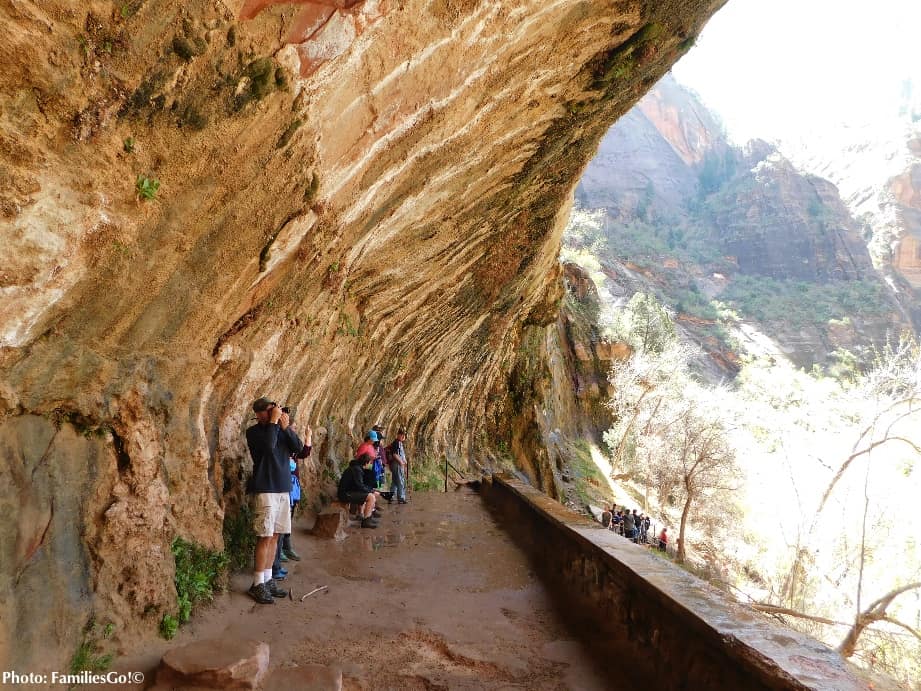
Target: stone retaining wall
[(673, 630)]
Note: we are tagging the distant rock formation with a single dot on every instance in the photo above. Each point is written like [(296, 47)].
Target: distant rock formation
[(687, 215)]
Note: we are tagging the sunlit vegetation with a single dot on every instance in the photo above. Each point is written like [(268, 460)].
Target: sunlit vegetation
[(799, 303), (800, 487)]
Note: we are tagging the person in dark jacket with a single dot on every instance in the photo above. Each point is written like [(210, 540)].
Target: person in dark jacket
[(271, 442), (353, 490)]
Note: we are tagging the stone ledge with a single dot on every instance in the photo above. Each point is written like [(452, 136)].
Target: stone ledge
[(701, 638)]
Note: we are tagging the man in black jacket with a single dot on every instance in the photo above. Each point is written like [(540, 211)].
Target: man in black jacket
[(353, 490), (271, 442)]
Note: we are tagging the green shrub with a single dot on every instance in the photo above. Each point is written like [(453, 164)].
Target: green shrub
[(239, 538), (88, 657), (147, 187), (800, 303), (199, 572), (169, 625)]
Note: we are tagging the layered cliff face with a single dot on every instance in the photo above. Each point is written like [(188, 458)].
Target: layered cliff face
[(774, 221), (877, 166), (654, 155), (353, 207), (906, 193), (708, 226)]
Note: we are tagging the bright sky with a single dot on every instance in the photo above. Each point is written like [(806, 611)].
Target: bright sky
[(780, 68)]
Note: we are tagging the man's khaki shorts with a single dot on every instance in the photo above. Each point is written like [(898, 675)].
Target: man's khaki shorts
[(271, 513)]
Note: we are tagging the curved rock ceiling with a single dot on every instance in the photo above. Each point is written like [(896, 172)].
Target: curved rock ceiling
[(359, 212)]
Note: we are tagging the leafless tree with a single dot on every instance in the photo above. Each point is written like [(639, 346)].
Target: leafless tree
[(691, 459)]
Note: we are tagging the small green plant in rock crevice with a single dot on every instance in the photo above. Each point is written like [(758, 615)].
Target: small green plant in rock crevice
[(199, 573), (89, 657), (147, 187), (169, 625), (128, 145)]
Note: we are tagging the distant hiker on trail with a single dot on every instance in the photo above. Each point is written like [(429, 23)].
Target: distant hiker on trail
[(271, 442), (663, 540), (354, 490), (629, 526), (617, 523), (396, 457), (606, 519)]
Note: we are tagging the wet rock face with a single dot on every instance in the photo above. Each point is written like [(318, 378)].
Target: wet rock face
[(357, 214)]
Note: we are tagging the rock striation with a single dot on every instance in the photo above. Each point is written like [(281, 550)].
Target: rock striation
[(354, 207)]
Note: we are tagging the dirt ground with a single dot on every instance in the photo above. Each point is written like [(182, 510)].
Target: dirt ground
[(438, 597)]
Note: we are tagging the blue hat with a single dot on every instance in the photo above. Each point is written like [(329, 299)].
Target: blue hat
[(374, 435)]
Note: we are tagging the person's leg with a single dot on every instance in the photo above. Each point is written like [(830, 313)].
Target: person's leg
[(287, 548), (262, 559), (278, 571), (263, 554), (399, 483), (262, 524), (281, 517)]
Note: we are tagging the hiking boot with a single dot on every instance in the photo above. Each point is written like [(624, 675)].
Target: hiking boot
[(290, 554), (403, 501), (273, 589), (368, 523), (283, 557), (259, 593), (376, 514)]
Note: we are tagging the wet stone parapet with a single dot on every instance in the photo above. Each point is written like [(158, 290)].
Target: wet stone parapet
[(671, 629)]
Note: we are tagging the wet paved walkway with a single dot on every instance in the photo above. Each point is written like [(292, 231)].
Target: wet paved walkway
[(438, 597)]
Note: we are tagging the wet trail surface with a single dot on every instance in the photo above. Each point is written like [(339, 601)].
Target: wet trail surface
[(437, 597)]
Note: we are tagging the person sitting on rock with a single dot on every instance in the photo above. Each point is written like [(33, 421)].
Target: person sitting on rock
[(271, 442), (354, 490)]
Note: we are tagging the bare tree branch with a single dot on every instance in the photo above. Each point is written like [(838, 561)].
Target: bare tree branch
[(857, 454), (776, 609), (875, 612), (914, 632)]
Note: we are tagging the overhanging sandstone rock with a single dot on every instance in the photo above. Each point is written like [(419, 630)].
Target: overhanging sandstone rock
[(369, 243)]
